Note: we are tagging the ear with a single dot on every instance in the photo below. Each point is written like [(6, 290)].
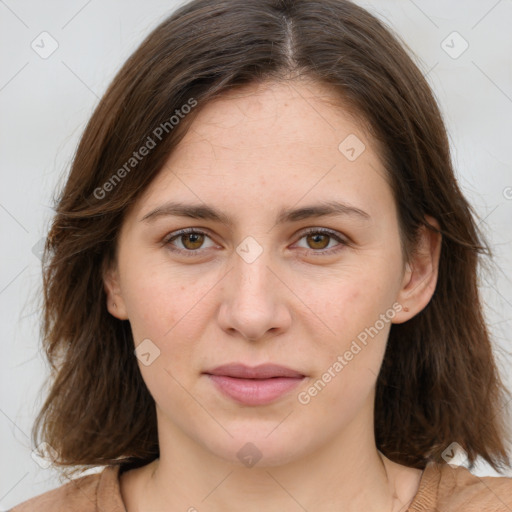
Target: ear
[(420, 276), (115, 302)]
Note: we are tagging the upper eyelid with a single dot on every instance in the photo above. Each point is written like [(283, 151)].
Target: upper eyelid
[(341, 238)]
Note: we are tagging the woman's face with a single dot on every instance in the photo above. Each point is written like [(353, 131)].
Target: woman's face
[(253, 287)]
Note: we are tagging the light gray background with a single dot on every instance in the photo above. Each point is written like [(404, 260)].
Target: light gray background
[(45, 103)]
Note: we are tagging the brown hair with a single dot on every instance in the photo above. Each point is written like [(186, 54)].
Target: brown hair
[(438, 382)]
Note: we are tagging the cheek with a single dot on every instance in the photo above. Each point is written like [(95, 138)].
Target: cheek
[(171, 314), (355, 300), (350, 359), (357, 307), (160, 298), (172, 309)]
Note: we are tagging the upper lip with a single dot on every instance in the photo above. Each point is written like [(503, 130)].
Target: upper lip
[(262, 371)]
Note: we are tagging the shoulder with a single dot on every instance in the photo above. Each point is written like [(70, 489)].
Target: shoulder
[(85, 494), (463, 490), (456, 489)]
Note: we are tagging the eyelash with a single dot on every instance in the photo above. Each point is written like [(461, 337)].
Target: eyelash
[(191, 253)]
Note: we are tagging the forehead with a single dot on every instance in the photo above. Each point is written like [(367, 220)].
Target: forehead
[(269, 115), (294, 139)]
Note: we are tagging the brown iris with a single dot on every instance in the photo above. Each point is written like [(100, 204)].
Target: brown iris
[(318, 238), (195, 240)]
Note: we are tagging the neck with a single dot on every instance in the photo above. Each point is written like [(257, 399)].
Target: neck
[(347, 473)]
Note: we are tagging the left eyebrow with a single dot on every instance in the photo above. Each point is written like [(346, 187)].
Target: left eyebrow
[(205, 212), (328, 208)]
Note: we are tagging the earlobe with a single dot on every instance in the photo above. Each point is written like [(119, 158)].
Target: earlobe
[(421, 272), (115, 302)]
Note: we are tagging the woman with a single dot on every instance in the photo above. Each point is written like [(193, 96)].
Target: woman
[(260, 283)]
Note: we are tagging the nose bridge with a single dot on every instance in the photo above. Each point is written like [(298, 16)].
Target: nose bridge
[(251, 275), (251, 303)]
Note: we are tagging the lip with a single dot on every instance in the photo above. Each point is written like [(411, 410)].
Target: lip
[(262, 371), (257, 385)]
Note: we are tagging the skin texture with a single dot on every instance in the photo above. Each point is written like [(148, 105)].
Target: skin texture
[(250, 154)]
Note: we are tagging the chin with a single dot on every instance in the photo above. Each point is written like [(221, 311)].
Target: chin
[(255, 447)]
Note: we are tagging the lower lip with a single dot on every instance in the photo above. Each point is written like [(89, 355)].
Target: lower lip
[(255, 391)]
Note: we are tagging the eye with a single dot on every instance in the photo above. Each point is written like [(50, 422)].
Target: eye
[(190, 239), (318, 240)]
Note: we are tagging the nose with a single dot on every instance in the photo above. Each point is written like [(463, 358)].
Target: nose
[(254, 300)]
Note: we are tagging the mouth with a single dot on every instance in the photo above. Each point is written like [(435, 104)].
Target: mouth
[(258, 385)]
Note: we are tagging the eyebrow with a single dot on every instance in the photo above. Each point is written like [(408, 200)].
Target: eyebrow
[(205, 212)]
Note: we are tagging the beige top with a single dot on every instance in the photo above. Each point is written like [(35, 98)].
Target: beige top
[(442, 488)]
